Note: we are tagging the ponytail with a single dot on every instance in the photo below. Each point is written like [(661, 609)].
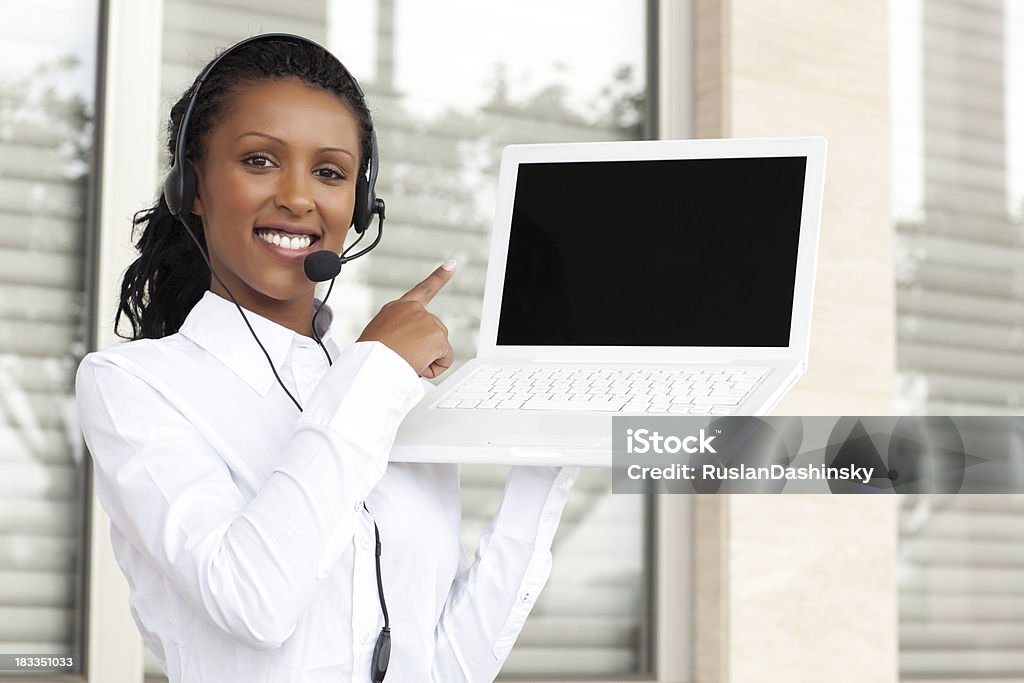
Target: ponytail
[(168, 278)]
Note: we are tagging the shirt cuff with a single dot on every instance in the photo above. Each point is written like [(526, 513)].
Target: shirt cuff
[(532, 505), (530, 511), (364, 396)]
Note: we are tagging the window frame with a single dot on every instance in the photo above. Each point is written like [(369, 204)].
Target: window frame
[(127, 162)]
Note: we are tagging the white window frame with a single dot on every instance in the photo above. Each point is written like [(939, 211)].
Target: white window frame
[(128, 154), (129, 157)]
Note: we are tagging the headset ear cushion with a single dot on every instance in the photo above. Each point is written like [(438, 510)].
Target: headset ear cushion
[(361, 211), (180, 190), (188, 190), (172, 191)]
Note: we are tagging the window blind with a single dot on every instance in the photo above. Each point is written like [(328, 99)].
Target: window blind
[(960, 309), (440, 140), (961, 586), (47, 82)]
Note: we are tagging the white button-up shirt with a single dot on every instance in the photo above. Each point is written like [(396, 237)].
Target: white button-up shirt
[(239, 522)]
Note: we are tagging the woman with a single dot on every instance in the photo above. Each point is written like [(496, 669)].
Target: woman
[(247, 529)]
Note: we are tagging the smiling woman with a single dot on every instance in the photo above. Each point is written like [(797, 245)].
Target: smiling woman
[(266, 172), (279, 138), (249, 533), (449, 83)]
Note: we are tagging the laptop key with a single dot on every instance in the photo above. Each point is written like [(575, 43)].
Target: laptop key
[(470, 395), (601, 406), (718, 400)]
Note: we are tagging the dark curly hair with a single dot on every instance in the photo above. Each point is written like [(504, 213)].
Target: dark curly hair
[(169, 277)]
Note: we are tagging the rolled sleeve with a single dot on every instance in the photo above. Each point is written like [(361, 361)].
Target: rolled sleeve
[(491, 599), (533, 503), (530, 511)]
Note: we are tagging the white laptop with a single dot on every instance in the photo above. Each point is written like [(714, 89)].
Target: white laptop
[(665, 277)]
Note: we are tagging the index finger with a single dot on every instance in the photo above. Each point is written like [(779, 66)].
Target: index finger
[(426, 290)]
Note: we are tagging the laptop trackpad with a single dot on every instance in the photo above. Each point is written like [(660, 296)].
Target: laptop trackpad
[(574, 431)]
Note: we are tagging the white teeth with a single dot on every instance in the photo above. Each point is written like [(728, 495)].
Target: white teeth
[(284, 241)]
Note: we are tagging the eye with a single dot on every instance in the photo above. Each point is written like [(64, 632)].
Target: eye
[(254, 158), (336, 174)]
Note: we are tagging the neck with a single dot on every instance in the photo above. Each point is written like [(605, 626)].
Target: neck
[(294, 314)]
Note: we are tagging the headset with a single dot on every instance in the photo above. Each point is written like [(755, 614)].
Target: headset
[(180, 184), (179, 193)]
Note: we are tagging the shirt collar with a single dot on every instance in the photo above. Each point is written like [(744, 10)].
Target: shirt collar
[(215, 324)]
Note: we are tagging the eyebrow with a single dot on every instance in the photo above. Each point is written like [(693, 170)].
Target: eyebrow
[(282, 142)]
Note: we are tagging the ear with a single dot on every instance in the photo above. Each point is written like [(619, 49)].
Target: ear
[(197, 179)]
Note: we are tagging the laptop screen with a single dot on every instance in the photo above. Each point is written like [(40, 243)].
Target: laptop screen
[(679, 252)]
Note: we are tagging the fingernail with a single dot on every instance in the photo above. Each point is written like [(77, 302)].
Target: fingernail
[(449, 264)]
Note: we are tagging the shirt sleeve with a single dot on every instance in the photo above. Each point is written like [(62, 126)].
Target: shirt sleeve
[(251, 567), (490, 599)]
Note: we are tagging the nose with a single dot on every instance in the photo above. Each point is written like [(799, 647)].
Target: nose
[(294, 192)]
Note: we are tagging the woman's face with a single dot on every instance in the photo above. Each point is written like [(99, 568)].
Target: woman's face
[(282, 160)]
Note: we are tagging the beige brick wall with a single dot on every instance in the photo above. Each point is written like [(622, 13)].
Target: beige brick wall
[(803, 588), (800, 67)]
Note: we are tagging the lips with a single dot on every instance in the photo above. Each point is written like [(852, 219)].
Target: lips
[(290, 228), (287, 254)]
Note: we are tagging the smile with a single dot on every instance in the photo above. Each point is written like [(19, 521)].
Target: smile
[(288, 247)]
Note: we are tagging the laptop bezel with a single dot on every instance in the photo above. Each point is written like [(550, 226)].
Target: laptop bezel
[(813, 148)]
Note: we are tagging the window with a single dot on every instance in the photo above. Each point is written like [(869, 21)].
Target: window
[(47, 84), (958, 197), (449, 84)]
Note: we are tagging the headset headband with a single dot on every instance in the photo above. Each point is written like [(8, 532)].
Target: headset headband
[(180, 185)]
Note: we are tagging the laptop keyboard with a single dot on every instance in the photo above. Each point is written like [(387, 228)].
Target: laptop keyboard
[(673, 391)]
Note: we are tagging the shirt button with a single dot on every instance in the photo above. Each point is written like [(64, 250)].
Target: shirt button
[(525, 597), (366, 542), (366, 635), (358, 505)]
